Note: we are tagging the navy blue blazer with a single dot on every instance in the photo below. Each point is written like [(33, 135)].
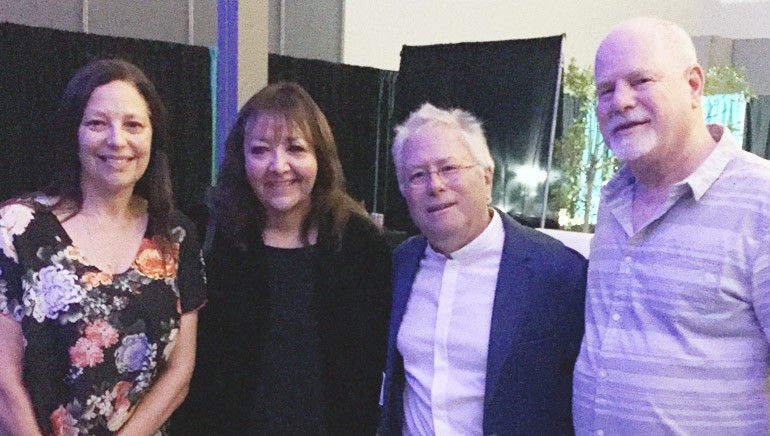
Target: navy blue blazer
[(537, 326)]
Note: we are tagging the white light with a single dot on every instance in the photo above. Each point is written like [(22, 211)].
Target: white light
[(529, 175)]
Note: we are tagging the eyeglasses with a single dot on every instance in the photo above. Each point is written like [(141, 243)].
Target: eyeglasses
[(449, 172)]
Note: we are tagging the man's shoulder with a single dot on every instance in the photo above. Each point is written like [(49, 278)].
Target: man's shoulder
[(536, 242), (411, 247), (751, 165), (747, 174), (532, 241)]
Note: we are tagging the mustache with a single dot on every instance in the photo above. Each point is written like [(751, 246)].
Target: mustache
[(619, 122), (437, 207)]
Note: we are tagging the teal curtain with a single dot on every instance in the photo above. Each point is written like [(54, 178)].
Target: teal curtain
[(728, 110), (595, 155), (216, 154)]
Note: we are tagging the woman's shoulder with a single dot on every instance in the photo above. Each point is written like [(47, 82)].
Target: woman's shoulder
[(362, 239), (180, 219), (17, 214), (359, 226), (28, 203)]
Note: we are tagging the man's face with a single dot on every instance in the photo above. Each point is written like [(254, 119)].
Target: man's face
[(644, 98), (449, 207)]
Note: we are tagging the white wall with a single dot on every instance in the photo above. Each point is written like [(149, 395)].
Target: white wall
[(375, 30), (736, 19)]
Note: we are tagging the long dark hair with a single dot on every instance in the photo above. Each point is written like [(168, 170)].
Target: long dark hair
[(154, 185), (236, 207)]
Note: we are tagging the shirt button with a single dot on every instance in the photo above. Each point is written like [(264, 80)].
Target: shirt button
[(616, 317), (600, 432), (602, 373), (625, 266)]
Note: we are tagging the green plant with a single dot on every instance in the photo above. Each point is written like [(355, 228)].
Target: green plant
[(727, 79), (577, 158)]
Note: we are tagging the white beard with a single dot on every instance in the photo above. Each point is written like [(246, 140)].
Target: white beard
[(631, 147)]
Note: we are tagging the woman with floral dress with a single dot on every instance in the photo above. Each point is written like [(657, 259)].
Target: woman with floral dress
[(100, 277)]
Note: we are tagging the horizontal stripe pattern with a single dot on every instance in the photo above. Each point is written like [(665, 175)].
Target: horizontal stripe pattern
[(678, 314)]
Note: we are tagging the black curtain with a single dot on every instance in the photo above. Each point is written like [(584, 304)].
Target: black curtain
[(511, 86), (757, 137), (357, 101), (35, 65)]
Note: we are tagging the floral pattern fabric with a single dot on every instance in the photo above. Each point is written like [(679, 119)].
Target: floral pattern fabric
[(94, 342)]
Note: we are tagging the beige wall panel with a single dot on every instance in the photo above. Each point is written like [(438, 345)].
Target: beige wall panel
[(146, 19), (205, 22), (54, 14)]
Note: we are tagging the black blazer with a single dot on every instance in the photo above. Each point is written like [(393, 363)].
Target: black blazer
[(537, 326), (352, 302)]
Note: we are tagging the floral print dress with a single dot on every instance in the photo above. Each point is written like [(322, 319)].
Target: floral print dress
[(94, 342)]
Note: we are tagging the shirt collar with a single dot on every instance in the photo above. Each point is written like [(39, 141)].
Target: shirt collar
[(707, 172), (699, 181), (489, 241)]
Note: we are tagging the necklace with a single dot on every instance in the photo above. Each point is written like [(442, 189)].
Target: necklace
[(110, 236), (106, 267)]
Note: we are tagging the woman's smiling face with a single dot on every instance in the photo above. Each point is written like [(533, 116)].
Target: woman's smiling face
[(280, 165), (115, 137)]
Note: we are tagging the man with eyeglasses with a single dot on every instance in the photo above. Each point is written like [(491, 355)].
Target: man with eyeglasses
[(677, 334), (487, 314)]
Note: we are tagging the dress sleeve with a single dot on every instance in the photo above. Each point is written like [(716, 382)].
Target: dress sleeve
[(14, 219), (191, 277)]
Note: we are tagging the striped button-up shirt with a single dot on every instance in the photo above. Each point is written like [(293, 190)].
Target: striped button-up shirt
[(677, 334)]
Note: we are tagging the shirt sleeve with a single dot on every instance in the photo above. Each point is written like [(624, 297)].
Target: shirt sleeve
[(191, 277), (14, 219)]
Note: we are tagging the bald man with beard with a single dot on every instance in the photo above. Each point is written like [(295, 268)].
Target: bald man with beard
[(677, 334)]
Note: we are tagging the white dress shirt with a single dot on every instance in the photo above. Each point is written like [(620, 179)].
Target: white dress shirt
[(444, 336)]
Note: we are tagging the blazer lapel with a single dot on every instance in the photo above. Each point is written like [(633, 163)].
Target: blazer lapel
[(512, 283), (405, 268), (406, 262)]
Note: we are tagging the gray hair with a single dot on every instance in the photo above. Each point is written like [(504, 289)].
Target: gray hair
[(466, 124)]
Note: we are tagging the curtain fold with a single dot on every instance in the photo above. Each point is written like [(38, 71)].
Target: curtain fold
[(757, 138)]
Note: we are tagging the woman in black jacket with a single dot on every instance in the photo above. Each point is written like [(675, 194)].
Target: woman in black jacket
[(293, 338)]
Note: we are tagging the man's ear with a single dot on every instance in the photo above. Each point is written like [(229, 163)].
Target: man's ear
[(488, 177), (696, 82)]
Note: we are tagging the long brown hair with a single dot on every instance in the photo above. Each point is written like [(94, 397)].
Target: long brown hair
[(154, 185), (236, 207)]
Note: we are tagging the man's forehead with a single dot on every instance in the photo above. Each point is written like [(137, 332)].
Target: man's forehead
[(623, 52), (435, 142), (433, 133)]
